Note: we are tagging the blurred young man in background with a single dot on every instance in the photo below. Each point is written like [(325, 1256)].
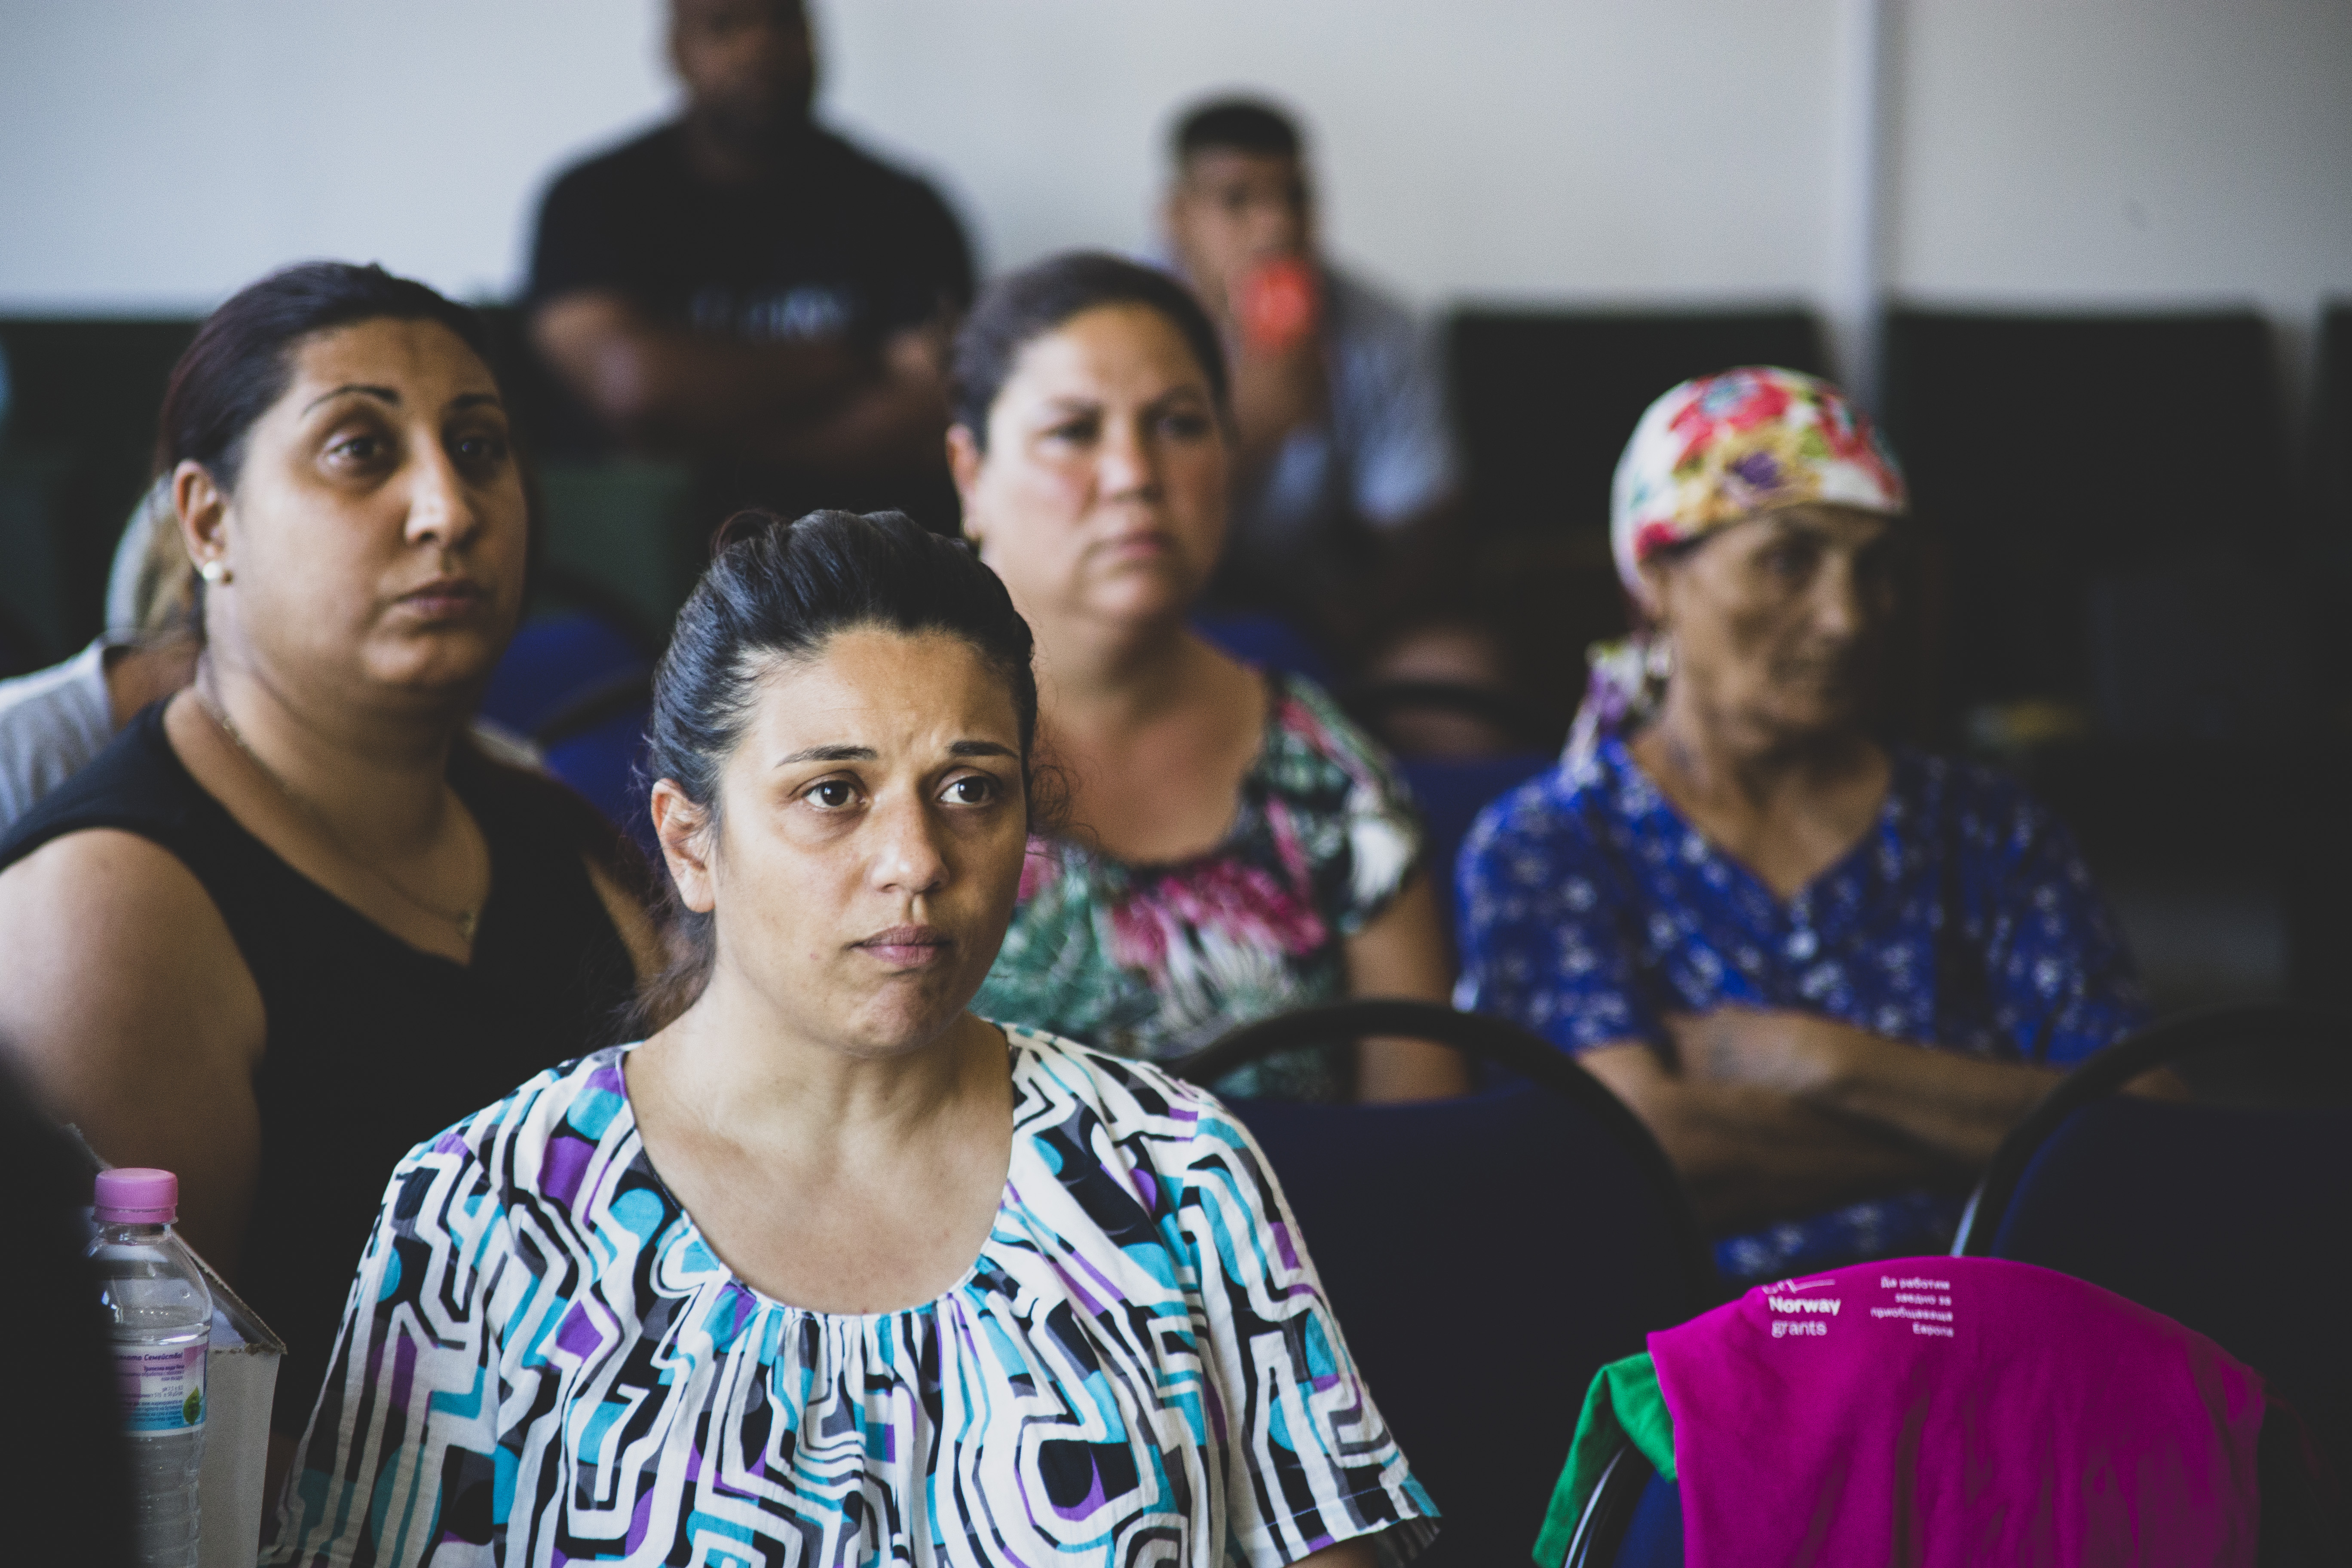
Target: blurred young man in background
[(1345, 475)]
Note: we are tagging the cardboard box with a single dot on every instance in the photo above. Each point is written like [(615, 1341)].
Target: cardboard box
[(240, 1381)]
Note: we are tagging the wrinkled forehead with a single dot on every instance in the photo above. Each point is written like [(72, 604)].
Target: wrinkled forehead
[(416, 362), (1122, 349), (1826, 523), (911, 696)]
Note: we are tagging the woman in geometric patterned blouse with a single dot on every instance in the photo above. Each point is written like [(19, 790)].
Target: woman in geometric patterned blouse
[(1830, 975), (828, 1271)]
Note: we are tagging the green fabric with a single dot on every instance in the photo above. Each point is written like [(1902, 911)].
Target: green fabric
[(1623, 1405)]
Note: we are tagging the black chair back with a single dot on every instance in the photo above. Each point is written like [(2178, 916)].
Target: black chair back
[(2230, 1211), (2330, 489), (1544, 400), (1485, 1256), (2114, 494), (79, 444)]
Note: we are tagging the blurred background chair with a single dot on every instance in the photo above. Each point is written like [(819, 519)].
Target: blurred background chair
[(2230, 1211), (2114, 491), (1485, 1256), (596, 743), (1269, 642), (1545, 399), (1543, 402), (1451, 792), (554, 662), (74, 460), (2128, 600), (581, 689)]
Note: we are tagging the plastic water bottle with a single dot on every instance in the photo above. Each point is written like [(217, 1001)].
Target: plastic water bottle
[(162, 1314)]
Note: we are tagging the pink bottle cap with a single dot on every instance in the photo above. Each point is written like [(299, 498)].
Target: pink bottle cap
[(136, 1195)]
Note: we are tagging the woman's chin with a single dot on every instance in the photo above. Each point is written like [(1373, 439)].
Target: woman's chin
[(1143, 599), (1815, 720), (904, 1012), (452, 662)]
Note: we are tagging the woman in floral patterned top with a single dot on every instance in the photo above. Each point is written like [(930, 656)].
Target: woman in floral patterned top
[(1239, 848)]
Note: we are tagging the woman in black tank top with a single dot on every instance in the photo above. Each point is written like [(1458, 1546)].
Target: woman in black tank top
[(293, 923)]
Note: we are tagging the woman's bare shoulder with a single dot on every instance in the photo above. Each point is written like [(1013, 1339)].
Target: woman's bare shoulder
[(110, 939)]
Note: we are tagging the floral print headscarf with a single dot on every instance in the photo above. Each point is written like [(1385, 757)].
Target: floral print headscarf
[(1707, 454)]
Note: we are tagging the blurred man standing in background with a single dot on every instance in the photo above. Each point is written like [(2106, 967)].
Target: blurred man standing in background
[(1345, 474), (744, 289)]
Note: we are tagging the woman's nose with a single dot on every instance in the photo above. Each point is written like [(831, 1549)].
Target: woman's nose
[(1127, 463), (909, 857), (1838, 609), (440, 505)]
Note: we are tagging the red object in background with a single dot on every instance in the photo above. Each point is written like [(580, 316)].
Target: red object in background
[(1280, 304)]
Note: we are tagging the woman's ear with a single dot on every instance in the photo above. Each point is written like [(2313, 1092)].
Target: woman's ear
[(680, 826), (964, 461), (1653, 592), (202, 509)]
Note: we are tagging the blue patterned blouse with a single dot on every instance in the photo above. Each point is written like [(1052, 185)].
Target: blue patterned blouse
[(1964, 920), (543, 1362)]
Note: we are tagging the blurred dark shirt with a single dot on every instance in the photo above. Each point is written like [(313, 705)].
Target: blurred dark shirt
[(834, 244)]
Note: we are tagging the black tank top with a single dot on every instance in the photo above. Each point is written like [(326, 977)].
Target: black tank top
[(373, 1047)]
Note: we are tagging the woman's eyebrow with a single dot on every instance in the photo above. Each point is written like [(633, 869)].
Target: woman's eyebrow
[(1184, 392), (829, 754), (982, 749), (384, 392), (476, 400)]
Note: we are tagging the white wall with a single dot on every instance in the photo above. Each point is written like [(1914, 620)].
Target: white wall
[(1493, 147), (155, 154), (2126, 152)]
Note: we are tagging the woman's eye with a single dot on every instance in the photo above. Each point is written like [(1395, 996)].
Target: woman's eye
[(357, 449), (1075, 432), (832, 793), (1186, 427), (480, 451), (973, 789)]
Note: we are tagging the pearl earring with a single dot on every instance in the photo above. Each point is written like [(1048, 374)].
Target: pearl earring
[(214, 571)]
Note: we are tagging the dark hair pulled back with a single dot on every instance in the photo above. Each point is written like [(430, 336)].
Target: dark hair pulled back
[(1022, 307), (779, 591), (243, 356)]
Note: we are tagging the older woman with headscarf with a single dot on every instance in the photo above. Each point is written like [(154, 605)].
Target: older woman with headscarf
[(1828, 973)]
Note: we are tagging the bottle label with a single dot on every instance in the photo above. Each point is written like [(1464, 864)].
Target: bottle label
[(162, 1389)]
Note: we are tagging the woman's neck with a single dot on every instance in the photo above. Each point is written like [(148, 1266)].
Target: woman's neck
[(1708, 757), (736, 1068), (375, 774), (1788, 810), (1098, 678)]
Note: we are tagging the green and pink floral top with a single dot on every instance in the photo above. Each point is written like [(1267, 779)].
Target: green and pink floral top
[(1159, 960)]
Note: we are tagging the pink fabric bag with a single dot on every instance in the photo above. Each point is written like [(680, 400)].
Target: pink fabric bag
[(1942, 1411)]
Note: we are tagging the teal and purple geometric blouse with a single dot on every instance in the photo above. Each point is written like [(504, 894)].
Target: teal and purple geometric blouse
[(543, 1362)]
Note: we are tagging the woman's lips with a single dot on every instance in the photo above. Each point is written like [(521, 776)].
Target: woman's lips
[(1135, 545), (908, 947), (445, 598)]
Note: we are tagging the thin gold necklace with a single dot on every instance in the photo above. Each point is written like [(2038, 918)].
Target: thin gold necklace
[(464, 920)]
